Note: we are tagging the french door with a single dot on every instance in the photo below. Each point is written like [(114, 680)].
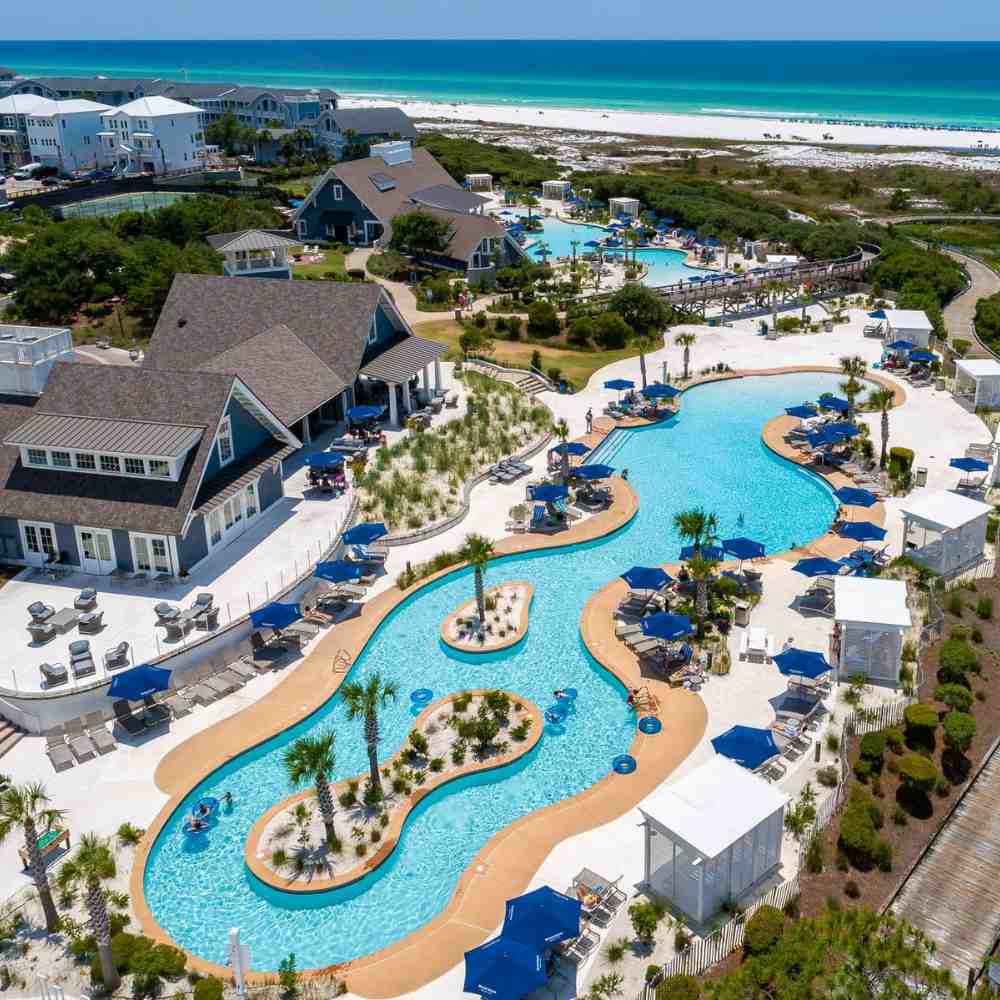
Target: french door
[(97, 551), (39, 542), (151, 554)]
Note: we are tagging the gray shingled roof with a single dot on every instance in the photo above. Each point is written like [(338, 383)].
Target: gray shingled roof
[(252, 239), (373, 121), (123, 393), (122, 437), (449, 197), (404, 360)]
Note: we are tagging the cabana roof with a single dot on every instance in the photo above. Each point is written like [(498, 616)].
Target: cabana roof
[(908, 319), (943, 509), (713, 806), (865, 601), (979, 367)]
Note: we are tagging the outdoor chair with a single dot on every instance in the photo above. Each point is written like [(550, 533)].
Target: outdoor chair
[(39, 611), (204, 601), (125, 720), (220, 685), (177, 630), (60, 755), (98, 732), (86, 600), (117, 657), (80, 659), (162, 580), (53, 674), (209, 621), (166, 612), (91, 621), (177, 704), (80, 743), (154, 715), (41, 632)]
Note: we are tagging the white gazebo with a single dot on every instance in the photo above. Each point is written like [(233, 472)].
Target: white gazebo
[(711, 837), (618, 207), (556, 190), (479, 182), (943, 530), (871, 616), (978, 381), (909, 324)]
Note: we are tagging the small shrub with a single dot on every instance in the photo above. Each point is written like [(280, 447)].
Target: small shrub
[(942, 788), (894, 738), (883, 856), (645, 916), (436, 764), (892, 765), (519, 733), (955, 696), (899, 815), (843, 861), (815, 854), (862, 770), (347, 798), (921, 721), (984, 608), (828, 776), (419, 742), (955, 604), (959, 730), (792, 908), (872, 746), (678, 988), (832, 741), (917, 772), (832, 903), (652, 971), (763, 930), (209, 988), (977, 635), (851, 889)]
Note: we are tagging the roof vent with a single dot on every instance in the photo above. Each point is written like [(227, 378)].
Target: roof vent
[(398, 151), (182, 321)]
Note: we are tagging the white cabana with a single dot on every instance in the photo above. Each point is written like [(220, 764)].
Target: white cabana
[(711, 837), (943, 530), (556, 190), (618, 207), (479, 182), (909, 324), (978, 381), (871, 616)]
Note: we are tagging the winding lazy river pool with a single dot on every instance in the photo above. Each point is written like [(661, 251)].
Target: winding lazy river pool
[(711, 455)]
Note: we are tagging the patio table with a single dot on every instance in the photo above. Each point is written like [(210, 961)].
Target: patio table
[(64, 620), (190, 614)]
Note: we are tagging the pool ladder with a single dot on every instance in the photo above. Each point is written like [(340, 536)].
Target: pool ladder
[(341, 662)]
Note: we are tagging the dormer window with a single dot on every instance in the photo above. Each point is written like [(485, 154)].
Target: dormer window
[(111, 463), (38, 456), (225, 441)]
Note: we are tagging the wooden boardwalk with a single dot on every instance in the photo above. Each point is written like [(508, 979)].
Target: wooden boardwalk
[(953, 894)]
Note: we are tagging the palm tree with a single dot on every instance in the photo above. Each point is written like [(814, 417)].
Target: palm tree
[(701, 571), (364, 700), (643, 343), (530, 202), (93, 864), (774, 289), (854, 368), (685, 340), (477, 552), (561, 429), (574, 244), (808, 299), (26, 808), (697, 527), (728, 240), (311, 758), (882, 399)]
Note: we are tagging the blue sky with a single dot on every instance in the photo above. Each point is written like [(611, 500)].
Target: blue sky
[(152, 19)]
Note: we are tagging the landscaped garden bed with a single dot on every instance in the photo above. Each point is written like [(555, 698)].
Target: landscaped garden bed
[(506, 621)]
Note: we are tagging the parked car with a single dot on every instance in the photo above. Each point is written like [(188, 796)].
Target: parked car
[(28, 172), (51, 182)]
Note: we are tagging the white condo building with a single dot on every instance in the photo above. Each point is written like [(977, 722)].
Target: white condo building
[(63, 134), (152, 135), (15, 111)]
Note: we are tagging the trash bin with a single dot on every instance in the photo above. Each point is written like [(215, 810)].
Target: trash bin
[(741, 613), (921, 477), (828, 325), (939, 383)]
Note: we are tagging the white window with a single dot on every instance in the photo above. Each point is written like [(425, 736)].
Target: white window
[(159, 468), (135, 466), (84, 460), (250, 500), (225, 440), (62, 459), (110, 463), (338, 192), (38, 456), (39, 541), (302, 227)]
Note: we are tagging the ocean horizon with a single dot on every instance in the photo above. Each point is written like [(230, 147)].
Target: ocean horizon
[(934, 83)]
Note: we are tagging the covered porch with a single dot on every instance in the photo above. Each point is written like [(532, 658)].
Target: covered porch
[(977, 382), (870, 620), (404, 370), (943, 530)]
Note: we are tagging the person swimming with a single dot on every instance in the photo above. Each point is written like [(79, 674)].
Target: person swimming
[(227, 799), (633, 697)]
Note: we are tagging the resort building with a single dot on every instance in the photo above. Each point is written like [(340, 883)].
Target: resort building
[(64, 134), (255, 253), (711, 837), (307, 349), (909, 324), (152, 135), (556, 190), (356, 201), (105, 90), (121, 468), (338, 128), (870, 618), (944, 531), (623, 207), (479, 182), (14, 114), (977, 382), (27, 354)]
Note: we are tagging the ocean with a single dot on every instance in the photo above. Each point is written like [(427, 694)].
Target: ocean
[(940, 83)]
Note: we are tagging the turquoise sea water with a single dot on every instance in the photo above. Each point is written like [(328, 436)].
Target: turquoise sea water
[(931, 82), (198, 887)]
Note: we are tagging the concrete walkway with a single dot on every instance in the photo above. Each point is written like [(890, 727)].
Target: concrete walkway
[(961, 311)]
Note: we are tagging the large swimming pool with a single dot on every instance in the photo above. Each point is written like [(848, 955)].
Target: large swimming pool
[(665, 267), (710, 454)]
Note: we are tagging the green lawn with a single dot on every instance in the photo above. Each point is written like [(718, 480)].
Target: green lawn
[(333, 260), (575, 366), (981, 239), (300, 186)]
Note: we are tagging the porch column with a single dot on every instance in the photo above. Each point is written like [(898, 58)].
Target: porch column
[(425, 381), (393, 412), (437, 374), (306, 432), (406, 396)]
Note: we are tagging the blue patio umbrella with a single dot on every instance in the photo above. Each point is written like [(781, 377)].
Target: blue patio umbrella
[(324, 460), (592, 243), (877, 314), (338, 571), (571, 448), (593, 471), (275, 615), (901, 345), (657, 390), (646, 577), (842, 429), (548, 492), (817, 566), (803, 412), (834, 403), (743, 548), (853, 496), (365, 534), (802, 663), (862, 531), (139, 682), (542, 918), (819, 438), (664, 625), (504, 969), (969, 464), (923, 356), (619, 384), (746, 745), (358, 414), (713, 552)]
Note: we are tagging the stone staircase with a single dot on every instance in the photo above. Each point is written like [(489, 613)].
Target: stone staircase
[(10, 735), (528, 383)]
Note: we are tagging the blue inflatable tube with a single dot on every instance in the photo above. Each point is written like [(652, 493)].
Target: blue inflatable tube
[(650, 725), (624, 764)]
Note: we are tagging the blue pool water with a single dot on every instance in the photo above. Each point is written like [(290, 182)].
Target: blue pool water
[(710, 454), (665, 266)]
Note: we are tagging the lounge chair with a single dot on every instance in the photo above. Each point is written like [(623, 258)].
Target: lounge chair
[(117, 656), (626, 630), (79, 742), (200, 693), (53, 674), (125, 720), (58, 753), (368, 554), (177, 704), (41, 632), (818, 602), (643, 646), (91, 622), (81, 661), (86, 600), (98, 732), (154, 715), (39, 611)]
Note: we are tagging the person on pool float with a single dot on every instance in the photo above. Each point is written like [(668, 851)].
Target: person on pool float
[(195, 824), (633, 697), (204, 810)]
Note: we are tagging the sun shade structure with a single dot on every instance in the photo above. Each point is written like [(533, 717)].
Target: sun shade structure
[(743, 548), (664, 625), (834, 403), (504, 969), (592, 471), (647, 578), (802, 663), (862, 531), (711, 552), (619, 384), (571, 448), (548, 492), (968, 464), (365, 534), (901, 345), (977, 381), (746, 745), (803, 412), (855, 497), (842, 429), (541, 919), (139, 682), (338, 571), (943, 530), (324, 460), (660, 391), (275, 615), (711, 837), (817, 566), (873, 616), (924, 357), (358, 414)]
